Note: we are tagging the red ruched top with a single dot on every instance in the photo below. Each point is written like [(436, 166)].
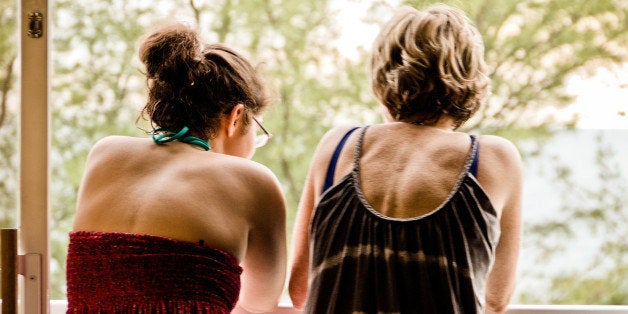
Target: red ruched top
[(109, 272)]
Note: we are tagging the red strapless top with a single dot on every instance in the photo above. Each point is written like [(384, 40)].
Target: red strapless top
[(135, 273)]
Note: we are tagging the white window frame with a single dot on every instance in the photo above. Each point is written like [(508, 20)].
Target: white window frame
[(34, 200)]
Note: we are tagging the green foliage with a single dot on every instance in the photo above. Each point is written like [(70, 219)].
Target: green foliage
[(600, 212), (611, 288), (8, 115), (96, 91)]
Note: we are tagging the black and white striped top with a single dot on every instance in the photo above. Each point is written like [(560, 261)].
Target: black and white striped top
[(365, 262)]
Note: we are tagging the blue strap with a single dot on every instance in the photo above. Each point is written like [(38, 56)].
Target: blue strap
[(474, 165), (329, 177)]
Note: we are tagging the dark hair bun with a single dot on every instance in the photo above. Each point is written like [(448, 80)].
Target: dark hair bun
[(172, 55), (191, 83)]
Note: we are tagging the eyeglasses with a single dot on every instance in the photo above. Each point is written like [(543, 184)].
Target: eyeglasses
[(261, 139)]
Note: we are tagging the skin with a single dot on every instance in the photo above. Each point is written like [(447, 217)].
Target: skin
[(181, 192), (436, 167)]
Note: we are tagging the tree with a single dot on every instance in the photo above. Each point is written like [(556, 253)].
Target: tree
[(595, 208), (97, 90), (8, 115)]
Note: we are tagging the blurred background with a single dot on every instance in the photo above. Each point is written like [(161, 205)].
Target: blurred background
[(559, 72)]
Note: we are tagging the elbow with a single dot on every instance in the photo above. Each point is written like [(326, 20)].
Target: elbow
[(259, 309), (297, 296), (259, 302), (497, 302), (298, 283), (498, 296), (297, 303), (496, 306)]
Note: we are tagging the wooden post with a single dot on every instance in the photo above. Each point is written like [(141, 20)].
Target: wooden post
[(34, 157), (8, 245)]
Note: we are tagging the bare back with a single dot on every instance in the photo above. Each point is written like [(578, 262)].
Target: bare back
[(132, 185), (407, 171)]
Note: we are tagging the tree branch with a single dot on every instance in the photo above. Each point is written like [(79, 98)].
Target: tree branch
[(6, 86), (196, 11)]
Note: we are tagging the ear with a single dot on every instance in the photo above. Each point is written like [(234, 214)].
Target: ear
[(233, 119)]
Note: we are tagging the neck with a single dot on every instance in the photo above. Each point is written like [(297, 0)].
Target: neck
[(444, 122)]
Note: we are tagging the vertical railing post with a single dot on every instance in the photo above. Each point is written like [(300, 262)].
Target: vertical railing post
[(34, 154), (8, 246)]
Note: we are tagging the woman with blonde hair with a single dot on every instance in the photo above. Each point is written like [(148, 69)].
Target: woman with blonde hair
[(182, 222), (412, 215)]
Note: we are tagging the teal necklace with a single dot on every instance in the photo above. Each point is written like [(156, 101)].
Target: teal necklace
[(162, 136)]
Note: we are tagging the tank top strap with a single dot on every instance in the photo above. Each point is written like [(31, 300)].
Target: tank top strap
[(331, 168), (475, 151), (358, 150)]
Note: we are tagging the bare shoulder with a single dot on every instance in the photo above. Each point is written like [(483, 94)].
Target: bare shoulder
[(499, 149), (114, 145), (114, 141), (338, 132), (333, 136), (255, 172), (328, 143), (258, 180), (499, 171)]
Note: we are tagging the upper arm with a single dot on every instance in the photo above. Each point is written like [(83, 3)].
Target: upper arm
[(298, 284), (96, 175), (502, 173), (264, 264)]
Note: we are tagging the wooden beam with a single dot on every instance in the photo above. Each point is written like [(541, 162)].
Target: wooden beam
[(8, 245), (34, 153)]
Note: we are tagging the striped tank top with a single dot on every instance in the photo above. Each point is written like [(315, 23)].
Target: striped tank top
[(365, 262)]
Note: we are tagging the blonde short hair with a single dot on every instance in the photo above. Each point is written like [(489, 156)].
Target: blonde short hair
[(429, 63)]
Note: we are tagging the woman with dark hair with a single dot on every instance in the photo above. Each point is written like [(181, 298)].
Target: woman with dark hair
[(182, 222), (412, 216)]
